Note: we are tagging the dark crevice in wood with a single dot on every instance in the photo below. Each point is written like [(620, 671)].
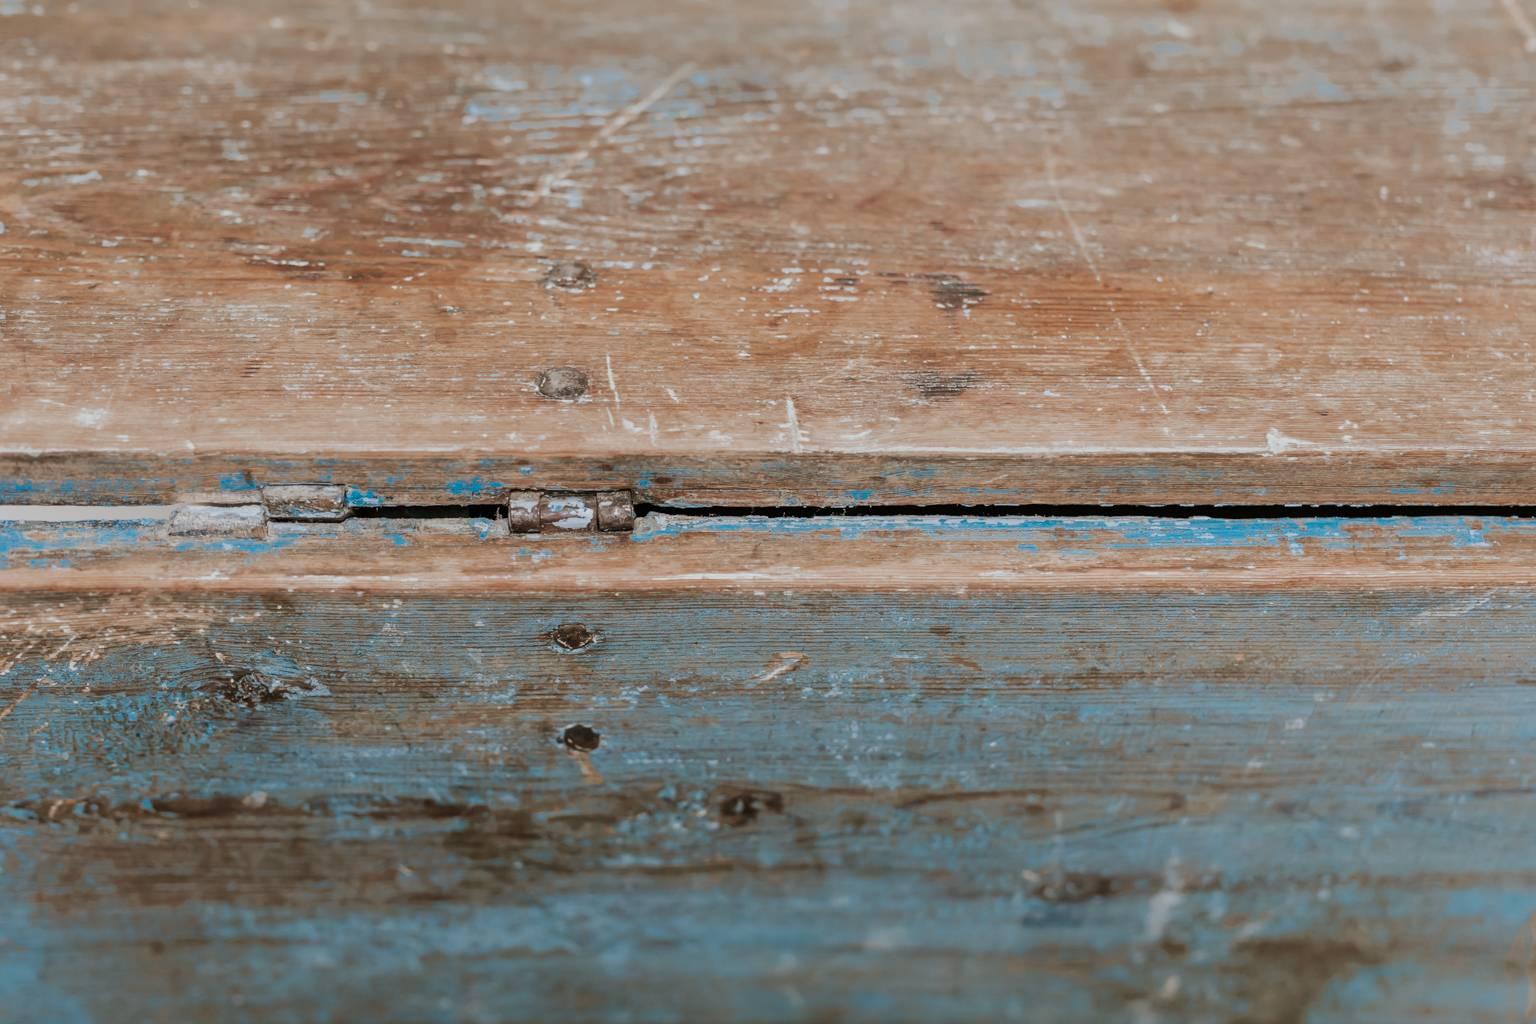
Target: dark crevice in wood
[(476, 511), (1095, 511), (1040, 511)]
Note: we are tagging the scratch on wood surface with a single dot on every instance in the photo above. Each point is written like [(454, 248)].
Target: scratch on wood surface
[(1522, 22), (29, 691), (32, 647), (613, 382), (617, 123), (1093, 266), (86, 632), (785, 662), (792, 422), (589, 774), (1077, 233), (1456, 609)]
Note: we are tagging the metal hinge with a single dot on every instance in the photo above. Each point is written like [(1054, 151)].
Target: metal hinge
[(523, 512)]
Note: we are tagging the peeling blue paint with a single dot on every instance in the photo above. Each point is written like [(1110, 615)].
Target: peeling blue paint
[(19, 540), (1297, 535), (475, 487), (241, 545)]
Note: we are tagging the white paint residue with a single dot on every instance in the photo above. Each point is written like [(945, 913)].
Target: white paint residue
[(432, 243), (1160, 912), (793, 424), (63, 179), (613, 384), (883, 940), (84, 513), (1164, 902), (1279, 443), (92, 418), (231, 151)]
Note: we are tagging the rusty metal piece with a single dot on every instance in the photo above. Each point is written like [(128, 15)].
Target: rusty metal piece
[(563, 383), (561, 512), (570, 276), (571, 637), (580, 739), (241, 521), (305, 502), (523, 511), (615, 511)]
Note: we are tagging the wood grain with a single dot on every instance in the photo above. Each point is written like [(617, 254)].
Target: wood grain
[(301, 779), (668, 553), (827, 252)]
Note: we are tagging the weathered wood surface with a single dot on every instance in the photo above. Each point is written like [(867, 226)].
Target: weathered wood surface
[(954, 554), (1107, 769), (819, 251)]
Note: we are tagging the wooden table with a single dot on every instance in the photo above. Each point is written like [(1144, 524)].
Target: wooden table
[(1080, 456)]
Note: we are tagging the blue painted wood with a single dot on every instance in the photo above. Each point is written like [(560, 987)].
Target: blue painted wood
[(1414, 542), (1232, 802)]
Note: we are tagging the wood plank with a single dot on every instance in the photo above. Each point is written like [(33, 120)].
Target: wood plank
[(299, 778), (857, 252), (955, 554)]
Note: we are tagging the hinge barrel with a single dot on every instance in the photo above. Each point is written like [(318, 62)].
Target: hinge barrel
[(311, 503), (246, 522), (542, 511), (526, 512)]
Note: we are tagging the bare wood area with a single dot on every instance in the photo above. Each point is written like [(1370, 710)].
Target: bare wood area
[(989, 252)]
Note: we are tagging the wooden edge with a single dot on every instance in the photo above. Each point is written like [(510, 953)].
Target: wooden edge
[(1029, 475), (942, 553)]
